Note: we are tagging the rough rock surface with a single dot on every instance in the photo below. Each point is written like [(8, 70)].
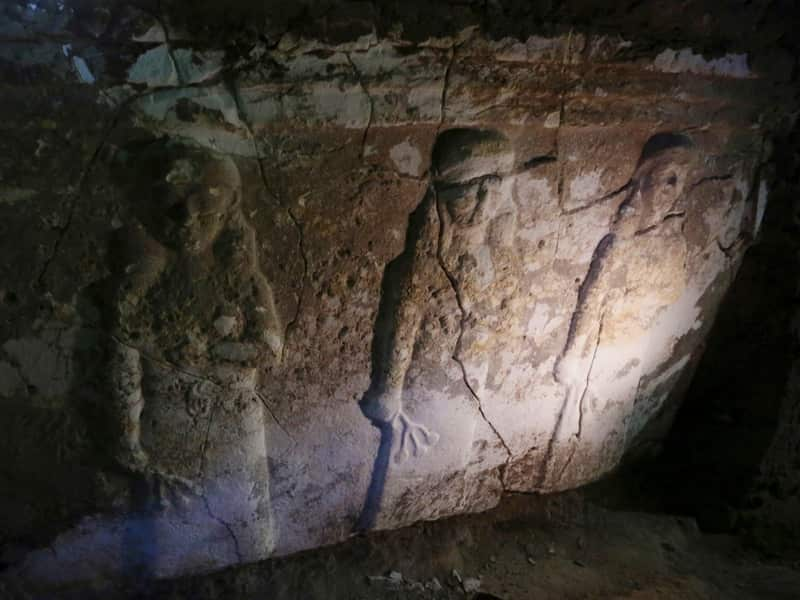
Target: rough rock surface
[(259, 296), (734, 445)]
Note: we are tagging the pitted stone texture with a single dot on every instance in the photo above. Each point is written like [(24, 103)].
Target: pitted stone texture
[(328, 286)]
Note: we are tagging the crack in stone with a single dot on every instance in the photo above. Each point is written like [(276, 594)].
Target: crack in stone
[(369, 98), (456, 352), (562, 111), (592, 203), (176, 369), (161, 362), (560, 182), (272, 414), (567, 50), (558, 242), (304, 277), (581, 403), (589, 374), (227, 527), (598, 258), (709, 179), (74, 196), (203, 452), (600, 253), (445, 85), (168, 43), (290, 325), (668, 217), (204, 447)]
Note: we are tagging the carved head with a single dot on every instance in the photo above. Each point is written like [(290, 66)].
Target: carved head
[(462, 155), (193, 193), (468, 167), (660, 177)]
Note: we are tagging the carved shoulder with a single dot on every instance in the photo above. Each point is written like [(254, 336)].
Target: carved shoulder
[(136, 258)]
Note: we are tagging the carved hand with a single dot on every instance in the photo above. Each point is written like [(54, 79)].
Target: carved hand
[(415, 439), (383, 406)]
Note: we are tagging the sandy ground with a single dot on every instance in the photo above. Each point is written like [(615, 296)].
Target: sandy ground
[(558, 547)]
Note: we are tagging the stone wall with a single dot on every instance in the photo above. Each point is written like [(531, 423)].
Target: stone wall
[(772, 512), (264, 292), (734, 443)]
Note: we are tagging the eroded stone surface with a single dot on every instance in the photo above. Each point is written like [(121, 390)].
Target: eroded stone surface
[(338, 285)]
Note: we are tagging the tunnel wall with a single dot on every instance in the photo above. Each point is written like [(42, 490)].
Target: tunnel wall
[(734, 446), (264, 293)]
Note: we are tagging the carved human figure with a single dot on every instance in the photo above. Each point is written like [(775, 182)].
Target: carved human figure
[(474, 188), (636, 269), (447, 233), (194, 322), (399, 318)]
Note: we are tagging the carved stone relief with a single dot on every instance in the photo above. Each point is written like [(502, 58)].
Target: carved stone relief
[(344, 287)]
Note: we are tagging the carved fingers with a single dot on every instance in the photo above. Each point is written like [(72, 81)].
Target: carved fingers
[(169, 491), (415, 439)]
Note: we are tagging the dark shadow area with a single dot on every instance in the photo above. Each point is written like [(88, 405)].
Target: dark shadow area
[(713, 460), (53, 459), (663, 141), (396, 276), (529, 547), (455, 146), (380, 468)]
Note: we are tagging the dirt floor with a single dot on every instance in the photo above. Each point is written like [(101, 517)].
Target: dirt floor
[(530, 547)]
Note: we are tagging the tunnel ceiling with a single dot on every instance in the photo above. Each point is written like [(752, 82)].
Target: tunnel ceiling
[(274, 276)]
